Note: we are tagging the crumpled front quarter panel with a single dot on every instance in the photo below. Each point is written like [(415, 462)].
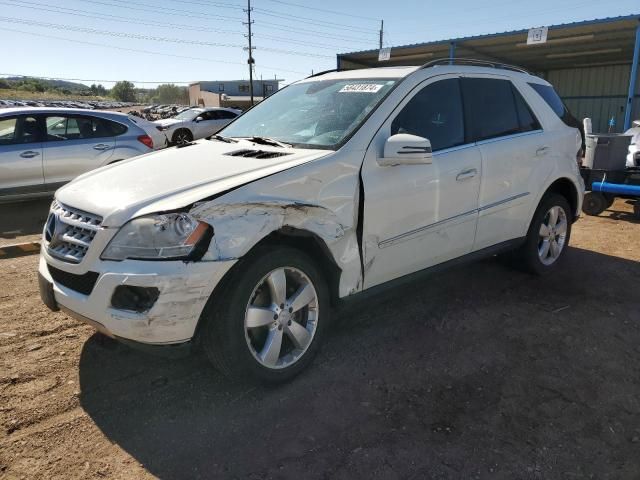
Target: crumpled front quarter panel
[(320, 197)]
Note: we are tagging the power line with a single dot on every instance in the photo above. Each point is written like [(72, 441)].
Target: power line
[(94, 31), (275, 26), (154, 8), (115, 18), (312, 21), (306, 7), (150, 52), (289, 28), (88, 79)]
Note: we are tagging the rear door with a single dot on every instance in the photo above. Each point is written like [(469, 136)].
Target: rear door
[(20, 155), (75, 144), (512, 146)]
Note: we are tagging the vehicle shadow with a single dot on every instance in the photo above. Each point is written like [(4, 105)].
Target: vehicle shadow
[(23, 218), (478, 371)]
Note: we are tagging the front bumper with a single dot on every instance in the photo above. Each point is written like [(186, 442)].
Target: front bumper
[(184, 289)]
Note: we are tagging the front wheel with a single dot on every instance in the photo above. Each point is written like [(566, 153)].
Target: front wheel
[(548, 235), (269, 319)]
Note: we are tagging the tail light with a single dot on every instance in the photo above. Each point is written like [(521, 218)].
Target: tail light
[(147, 140)]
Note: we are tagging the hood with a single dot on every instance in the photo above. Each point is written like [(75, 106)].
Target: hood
[(173, 178)]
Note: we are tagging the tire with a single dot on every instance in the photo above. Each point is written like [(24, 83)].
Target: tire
[(182, 136), (594, 203), (241, 320), (538, 255), (610, 199)]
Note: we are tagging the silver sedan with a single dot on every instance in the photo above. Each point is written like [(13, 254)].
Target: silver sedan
[(41, 149)]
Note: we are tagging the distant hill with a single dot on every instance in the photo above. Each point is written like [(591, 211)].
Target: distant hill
[(51, 83)]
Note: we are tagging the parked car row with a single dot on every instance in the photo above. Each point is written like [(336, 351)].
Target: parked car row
[(88, 105)]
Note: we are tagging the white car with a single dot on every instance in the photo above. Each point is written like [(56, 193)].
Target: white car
[(633, 157), (339, 184), (196, 123)]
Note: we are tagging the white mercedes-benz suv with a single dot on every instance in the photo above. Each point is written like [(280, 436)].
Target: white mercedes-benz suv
[(335, 185)]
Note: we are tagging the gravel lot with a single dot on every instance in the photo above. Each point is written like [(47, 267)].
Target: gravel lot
[(479, 372)]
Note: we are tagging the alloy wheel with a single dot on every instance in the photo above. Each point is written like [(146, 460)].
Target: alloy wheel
[(281, 318), (553, 235)]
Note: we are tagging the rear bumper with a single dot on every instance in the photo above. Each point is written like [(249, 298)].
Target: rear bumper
[(183, 292)]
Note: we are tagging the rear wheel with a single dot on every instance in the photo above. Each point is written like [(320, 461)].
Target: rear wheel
[(182, 136), (269, 319), (548, 235)]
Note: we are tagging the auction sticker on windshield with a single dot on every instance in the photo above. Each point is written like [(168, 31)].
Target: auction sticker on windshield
[(361, 88)]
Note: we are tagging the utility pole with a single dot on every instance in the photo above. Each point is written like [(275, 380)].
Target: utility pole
[(381, 32), (250, 61)]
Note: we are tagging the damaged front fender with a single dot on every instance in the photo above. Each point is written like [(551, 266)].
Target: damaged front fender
[(239, 226)]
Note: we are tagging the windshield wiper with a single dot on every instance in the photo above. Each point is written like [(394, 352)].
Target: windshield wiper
[(220, 138), (269, 141)]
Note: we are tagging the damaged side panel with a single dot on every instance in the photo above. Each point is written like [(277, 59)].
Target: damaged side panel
[(320, 197)]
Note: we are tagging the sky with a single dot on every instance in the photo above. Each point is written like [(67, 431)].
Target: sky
[(150, 42)]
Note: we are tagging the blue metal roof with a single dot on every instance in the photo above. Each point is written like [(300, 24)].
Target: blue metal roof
[(511, 32)]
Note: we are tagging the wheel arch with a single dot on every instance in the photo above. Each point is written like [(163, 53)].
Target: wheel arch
[(568, 189), (303, 240)]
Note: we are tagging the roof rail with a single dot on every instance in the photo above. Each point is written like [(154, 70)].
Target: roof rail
[(323, 72), (471, 61)]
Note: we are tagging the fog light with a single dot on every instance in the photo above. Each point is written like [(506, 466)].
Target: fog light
[(135, 299)]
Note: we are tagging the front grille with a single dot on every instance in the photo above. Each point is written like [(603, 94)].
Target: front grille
[(69, 232), (257, 153), (80, 283)]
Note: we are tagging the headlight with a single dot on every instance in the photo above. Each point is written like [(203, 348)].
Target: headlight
[(158, 237)]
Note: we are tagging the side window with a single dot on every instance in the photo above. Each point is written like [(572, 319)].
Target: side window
[(213, 115), (528, 121), (435, 113), (114, 128), (226, 115), (552, 99), (490, 108), (76, 128), (8, 130), (16, 130)]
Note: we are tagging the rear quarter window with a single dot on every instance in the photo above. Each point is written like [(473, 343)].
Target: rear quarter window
[(114, 128), (554, 101)]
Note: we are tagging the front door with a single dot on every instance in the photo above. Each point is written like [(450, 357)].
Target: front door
[(20, 155), (416, 216)]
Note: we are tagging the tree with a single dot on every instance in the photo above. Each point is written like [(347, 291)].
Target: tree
[(98, 89), (170, 93), (124, 91)]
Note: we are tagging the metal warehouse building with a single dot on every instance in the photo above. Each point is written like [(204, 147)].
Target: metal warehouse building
[(593, 64)]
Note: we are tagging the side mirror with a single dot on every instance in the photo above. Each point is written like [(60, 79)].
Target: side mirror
[(405, 149), (198, 119)]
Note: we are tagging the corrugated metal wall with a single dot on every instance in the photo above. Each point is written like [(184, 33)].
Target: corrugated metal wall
[(596, 92)]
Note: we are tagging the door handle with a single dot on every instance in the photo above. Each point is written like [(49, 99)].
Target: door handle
[(101, 146), (542, 151), (29, 154), (466, 174)]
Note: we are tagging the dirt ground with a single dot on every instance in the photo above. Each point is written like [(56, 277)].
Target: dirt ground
[(479, 372)]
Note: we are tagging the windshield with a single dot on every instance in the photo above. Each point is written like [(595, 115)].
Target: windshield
[(313, 114), (189, 114)]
